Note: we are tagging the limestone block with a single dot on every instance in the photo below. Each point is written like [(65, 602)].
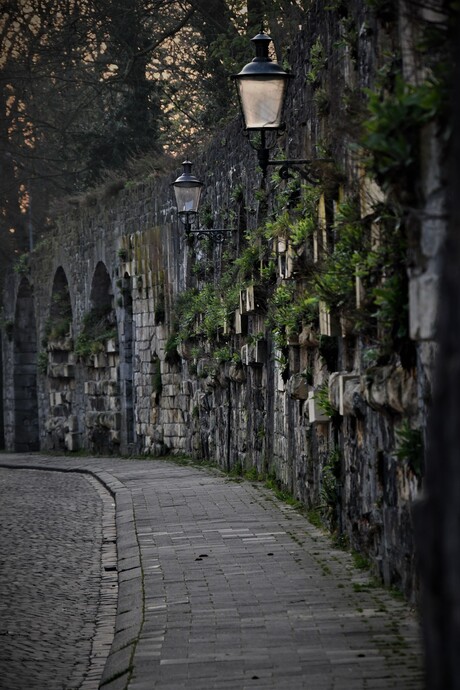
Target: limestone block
[(62, 344), (255, 300), (71, 440), (392, 387), (115, 436), (112, 361), (181, 444), (347, 325), (237, 373), (108, 388), (111, 345), (90, 388), (375, 387), (99, 361), (258, 352), (281, 245), (349, 386), (334, 389), (182, 401), (107, 420), (423, 304), (402, 391), (187, 387), (360, 293), (243, 307), (114, 403), (241, 323), (280, 383), (72, 422), (61, 371), (315, 413), (168, 391), (297, 387), (307, 337), (172, 430), (328, 323)]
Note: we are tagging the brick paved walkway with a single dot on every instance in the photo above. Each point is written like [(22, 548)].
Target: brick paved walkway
[(223, 586)]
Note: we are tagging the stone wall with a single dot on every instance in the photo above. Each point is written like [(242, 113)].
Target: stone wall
[(103, 291)]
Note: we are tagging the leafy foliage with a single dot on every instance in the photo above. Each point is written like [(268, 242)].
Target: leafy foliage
[(335, 283), (98, 327), (391, 133), (411, 448)]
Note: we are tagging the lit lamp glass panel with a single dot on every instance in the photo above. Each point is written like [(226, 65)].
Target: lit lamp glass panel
[(187, 196), (261, 101)]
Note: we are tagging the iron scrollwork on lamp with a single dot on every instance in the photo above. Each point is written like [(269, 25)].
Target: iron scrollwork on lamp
[(262, 86), (187, 190)]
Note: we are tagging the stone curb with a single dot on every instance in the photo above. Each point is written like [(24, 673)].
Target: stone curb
[(130, 608)]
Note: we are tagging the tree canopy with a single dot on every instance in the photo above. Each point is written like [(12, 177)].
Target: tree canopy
[(86, 85)]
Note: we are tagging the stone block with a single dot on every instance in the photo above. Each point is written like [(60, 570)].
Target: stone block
[(297, 387), (112, 360), (423, 305), (90, 388), (63, 344), (61, 371), (349, 386), (72, 422), (391, 387), (115, 436), (334, 389), (308, 337), (255, 300), (258, 352), (99, 360), (237, 373), (328, 322), (241, 323), (243, 309), (71, 441)]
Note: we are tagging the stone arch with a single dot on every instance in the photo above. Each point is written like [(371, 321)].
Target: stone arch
[(61, 425), (26, 436), (61, 307), (101, 295), (102, 390)]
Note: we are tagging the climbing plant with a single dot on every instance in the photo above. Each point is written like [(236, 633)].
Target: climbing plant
[(98, 327)]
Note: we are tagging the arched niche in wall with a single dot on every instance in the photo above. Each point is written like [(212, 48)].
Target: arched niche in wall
[(61, 425), (99, 343), (60, 321), (26, 437)]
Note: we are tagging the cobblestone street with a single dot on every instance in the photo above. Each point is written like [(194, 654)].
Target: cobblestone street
[(220, 586), (50, 579)]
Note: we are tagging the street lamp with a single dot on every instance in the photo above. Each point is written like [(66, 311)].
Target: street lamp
[(187, 190), (262, 86)]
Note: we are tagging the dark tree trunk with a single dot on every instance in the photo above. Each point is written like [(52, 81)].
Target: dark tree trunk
[(439, 515)]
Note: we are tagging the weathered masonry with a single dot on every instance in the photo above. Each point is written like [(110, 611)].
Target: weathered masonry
[(302, 347)]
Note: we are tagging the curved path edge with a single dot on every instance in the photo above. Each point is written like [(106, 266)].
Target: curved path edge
[(130, 607)]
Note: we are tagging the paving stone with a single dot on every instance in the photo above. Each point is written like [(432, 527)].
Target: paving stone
[(240, 591)]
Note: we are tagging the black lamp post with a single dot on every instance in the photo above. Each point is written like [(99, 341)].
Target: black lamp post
[(187, 190), (262, 86)]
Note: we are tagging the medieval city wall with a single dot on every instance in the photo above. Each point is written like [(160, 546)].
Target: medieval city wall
[(99, 355)]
